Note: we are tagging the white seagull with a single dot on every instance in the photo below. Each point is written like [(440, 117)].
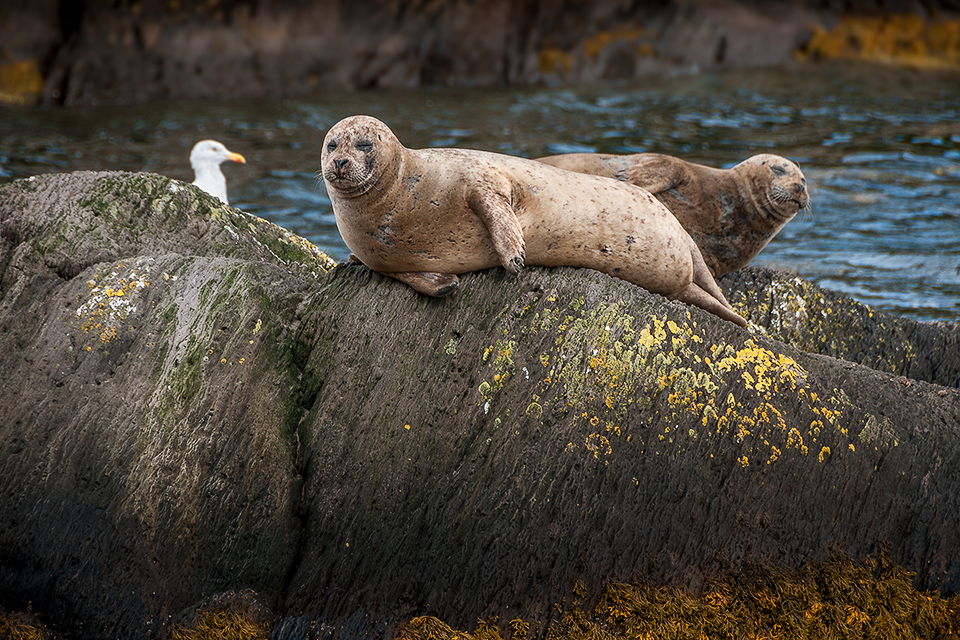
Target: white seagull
[(205, 158)]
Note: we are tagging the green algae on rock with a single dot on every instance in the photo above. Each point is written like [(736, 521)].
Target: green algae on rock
[(83, 218)]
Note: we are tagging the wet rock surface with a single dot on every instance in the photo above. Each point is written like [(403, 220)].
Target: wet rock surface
[(195, 406)]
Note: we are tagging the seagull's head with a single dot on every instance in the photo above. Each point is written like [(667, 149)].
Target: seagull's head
[(211, 152)]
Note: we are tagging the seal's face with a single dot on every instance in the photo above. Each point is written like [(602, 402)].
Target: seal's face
[(782, 182), (356, 152)]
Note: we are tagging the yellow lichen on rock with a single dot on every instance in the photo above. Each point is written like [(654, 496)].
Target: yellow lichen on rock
[(605, 362), (573, 57), (552, 60), (113, 295), (21, 82), (600, 41), (324, 261), (774, 381), (902, 39), (835, 599)]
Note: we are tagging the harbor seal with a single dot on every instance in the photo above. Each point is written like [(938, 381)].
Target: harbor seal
[(732, 214), (422, 216)]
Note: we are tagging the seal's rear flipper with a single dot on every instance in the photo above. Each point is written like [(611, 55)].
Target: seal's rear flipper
[(703, 277), (428, 283), (694, 295)]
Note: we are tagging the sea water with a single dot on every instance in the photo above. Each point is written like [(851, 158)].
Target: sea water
[(880, 148)]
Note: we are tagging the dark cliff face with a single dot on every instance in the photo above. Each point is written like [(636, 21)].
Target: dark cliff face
[(99, 52), (194, 405)]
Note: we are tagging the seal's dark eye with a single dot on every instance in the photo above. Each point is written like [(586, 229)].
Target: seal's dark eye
[(364, 145), (778, 169), (331, 145)]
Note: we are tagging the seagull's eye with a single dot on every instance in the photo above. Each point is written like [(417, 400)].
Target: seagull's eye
[(778, 169), (332, 145), (364, 145)]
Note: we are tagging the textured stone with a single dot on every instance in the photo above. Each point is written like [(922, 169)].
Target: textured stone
[(197, 412)]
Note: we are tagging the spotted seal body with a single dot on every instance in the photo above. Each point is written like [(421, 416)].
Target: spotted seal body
[(732, 214), (423, 216)]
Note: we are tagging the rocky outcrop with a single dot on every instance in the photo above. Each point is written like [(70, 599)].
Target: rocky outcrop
[(822, 321), (99, 52), (195, 406), (149, 427)]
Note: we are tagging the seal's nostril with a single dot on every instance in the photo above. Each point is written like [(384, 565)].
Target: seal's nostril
[(340, 164)]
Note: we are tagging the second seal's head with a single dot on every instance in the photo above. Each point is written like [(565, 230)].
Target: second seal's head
[(356, 152), (778, 183)]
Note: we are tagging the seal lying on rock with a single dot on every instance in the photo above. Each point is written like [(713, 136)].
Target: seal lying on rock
[(731, 213), (424, 215)]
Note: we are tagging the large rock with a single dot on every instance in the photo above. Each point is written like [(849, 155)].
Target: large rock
[(193, 405), (150, 407), (99, 52)]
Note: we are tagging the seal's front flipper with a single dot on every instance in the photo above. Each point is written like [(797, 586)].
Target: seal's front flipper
[(696, 296), (491, 203), (428, 283), (654, 172)]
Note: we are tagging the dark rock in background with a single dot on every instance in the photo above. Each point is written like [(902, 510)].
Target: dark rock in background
[(100, 52)]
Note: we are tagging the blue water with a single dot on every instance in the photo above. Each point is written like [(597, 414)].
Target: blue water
[(880, 149)]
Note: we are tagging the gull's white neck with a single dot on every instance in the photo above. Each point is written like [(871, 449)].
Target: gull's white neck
[(210, 179)]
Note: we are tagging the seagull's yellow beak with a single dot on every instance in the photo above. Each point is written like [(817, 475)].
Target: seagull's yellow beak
[(236, 157)]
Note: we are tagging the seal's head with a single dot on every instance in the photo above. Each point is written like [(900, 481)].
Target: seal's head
[(777, 184), (357, 152)]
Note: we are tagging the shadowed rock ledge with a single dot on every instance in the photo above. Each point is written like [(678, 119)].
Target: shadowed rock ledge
[(193, 405)]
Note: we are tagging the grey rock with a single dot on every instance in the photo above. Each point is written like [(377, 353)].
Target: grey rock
[(336, 453)]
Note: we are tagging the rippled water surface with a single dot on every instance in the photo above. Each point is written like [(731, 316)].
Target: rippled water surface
[(880, 149)]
